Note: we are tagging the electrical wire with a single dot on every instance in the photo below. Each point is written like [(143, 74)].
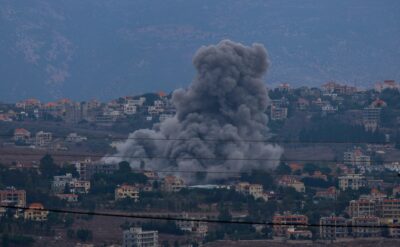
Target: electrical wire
[(170, 218)]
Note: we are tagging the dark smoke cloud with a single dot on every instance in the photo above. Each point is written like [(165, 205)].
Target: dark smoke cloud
[(226, 100)]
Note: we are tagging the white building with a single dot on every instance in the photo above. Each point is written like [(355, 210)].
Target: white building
[(352, 181), (356, 158), (136, 237), (43, 138)]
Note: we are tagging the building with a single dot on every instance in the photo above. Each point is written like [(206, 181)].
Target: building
[(43, 138), (79, 186), (387, 84), (136, 237), (75, 186), (130, 109), (366, 226), (278, 112), (59, 182), (389, 209), (75, 138), (356, 158), (291, 181), (333, 87), (283, 222), (362, 207), (36, 212), (87, 168), (255, 190), (21, 135), (371, 118), (197, 227), (333, 227), (172, 184), (68, 197), (329, 193), (13, 196), (127, 191), (352, 181)]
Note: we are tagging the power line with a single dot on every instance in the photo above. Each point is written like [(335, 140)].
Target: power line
[(179, 158), (227, 140), (169, 218)]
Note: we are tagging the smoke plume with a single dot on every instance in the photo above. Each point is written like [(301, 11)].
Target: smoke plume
[(227, 100)]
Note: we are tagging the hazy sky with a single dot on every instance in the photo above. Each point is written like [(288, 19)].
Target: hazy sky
[(104, 49)]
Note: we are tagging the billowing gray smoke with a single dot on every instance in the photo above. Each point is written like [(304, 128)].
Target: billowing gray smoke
[(227, 100)]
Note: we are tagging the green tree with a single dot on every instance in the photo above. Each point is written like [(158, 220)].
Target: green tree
[(283, 169), (47, 166), (84, 235)]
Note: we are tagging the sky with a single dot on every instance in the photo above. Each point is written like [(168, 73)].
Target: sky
[(109, 48)]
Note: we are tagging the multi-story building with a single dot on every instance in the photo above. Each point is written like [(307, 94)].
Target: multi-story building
[(291, 181), (255, 190), (366, 226), (357, 158), (197, 227), (371, 118), (127, 191), (59, 182), (13, 196), (75, 186), (136, 237), (172, 184), (79, 186), (283, 222), (333, 227), (87, 168), (329, 193), (43, 138), (36, 212), (389, 209), (278, 112), (352, 181), (362, 207)]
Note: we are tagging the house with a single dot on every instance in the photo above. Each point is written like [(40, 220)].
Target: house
[(356, 157), (362, 207), (21, 135), (371, 118), (127, 191), (329, 193), (87, 168), (172, 184), (197, 227), (291, 181), (283, 222), (255, 190), (59, 182), (366, 226), (389, 209), (303, 104), (278, 112), (75, 186), (68, 197), (13, 196), (43, 138), (352, 181), (36, 212), (79, 186), (387, 84), (75, 138), (136, 237), (333, 227)]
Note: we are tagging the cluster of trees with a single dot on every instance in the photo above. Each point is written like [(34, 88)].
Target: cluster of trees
[(331, 129)]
